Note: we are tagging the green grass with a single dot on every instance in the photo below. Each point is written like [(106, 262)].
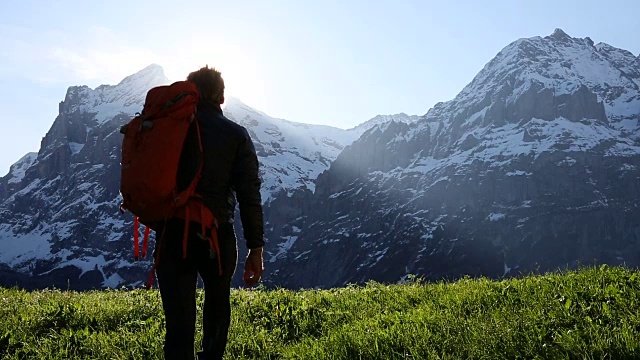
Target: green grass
[(588, 314)]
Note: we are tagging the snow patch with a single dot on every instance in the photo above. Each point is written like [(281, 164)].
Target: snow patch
[(284, 247), (75, 147), (113, 281), (567, 161), (18, 170), (84, 263), (506, 269), (518, 173), (496, 216)]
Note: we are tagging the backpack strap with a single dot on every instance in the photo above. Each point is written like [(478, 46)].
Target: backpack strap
[(156, 259), (136, 238), (214, 245), (196, 211), (152, 274), (145, 242), (180, 199)]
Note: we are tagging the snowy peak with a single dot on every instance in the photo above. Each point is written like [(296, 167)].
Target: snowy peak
[(556, 65), (382, 119), (537, 95), (152, 74), (108, 101), (560, 35), (556, 57)]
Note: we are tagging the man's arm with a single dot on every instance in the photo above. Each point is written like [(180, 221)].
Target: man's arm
[(246, 183)]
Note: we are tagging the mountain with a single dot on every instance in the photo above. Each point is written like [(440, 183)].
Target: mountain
[(60, 223), (533, 166)]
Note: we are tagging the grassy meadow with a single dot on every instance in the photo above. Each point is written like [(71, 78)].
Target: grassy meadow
[(592, 313)]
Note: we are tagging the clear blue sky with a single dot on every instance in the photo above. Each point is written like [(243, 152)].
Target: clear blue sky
[(325, 62)]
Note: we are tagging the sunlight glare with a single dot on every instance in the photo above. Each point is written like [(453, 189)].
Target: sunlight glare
[(239, 71)]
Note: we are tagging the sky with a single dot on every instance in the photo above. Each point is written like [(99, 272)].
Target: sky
[(332, 62)]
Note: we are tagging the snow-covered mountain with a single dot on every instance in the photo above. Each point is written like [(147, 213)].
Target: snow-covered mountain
[(59, 217), (534, 165)]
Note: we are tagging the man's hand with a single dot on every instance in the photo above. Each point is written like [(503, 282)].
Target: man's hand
[(253, 267)]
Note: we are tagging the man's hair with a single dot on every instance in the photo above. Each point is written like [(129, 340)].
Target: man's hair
[(209, 83)]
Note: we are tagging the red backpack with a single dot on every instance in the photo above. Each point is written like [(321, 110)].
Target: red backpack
[(151, 152)]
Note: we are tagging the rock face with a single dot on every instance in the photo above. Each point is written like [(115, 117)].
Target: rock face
[(533, 166)]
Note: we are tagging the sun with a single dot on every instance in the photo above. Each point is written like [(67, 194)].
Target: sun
[(240, 72), (245, 84)]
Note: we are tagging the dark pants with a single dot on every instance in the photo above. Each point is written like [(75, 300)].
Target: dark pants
[(177, 279)]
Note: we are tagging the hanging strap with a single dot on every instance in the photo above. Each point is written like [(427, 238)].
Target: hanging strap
[(207, 222), (136, 238), (145, 241), (156, 259), (214, 245), (152, 274), (196, 211)]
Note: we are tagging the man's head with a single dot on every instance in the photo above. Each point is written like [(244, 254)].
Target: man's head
[(209, 83)]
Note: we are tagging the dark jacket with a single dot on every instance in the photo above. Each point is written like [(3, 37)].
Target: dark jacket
[(230, 171)]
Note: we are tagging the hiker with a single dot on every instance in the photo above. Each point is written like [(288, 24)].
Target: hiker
[(229, 171)]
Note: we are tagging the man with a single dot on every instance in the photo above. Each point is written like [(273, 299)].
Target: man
[(230, 166)]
